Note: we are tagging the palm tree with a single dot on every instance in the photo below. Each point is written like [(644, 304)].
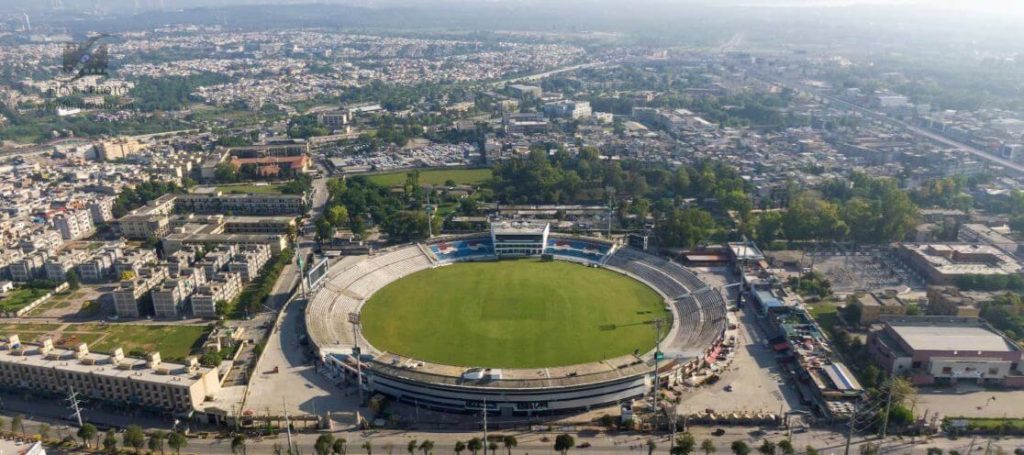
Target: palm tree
[(156, 441), (475, 445), (707, 446), (44, 431), (510, 443), (786, 447), (177, 441), (459, 447), (323, 444), (740, 448), (110, 441), (339, 446), (86, 433), (369, 447), (238, 444), (427, 447), (411, 447), (492, 446)]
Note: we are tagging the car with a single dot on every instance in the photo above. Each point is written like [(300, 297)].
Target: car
[(718, 432), (583, 445), (729, 388)]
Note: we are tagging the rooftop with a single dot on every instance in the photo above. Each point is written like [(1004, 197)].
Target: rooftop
[(952, 338)]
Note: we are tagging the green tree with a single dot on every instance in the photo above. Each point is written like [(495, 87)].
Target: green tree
[(707, 446), (492, 446), (134, 437), (177, 441), (564, 442), (740, 448), (339, 446), (411, 447), (368, 446), (44, 431), (86, 432), (872, 449), (786, 446), (73, 282), (509, 442), (427, 447), (110, 442), (809, 450), (767, 448), (156, 441), (459, 447), (337, 215), (324, 443), (475, 445), (651, 445), (684, 445), (238, 444), (18, 424)]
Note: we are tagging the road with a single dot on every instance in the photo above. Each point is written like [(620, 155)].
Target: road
[(921, 132), (538, 76)]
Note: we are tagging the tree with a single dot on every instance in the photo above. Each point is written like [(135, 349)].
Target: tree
[(86, 432), (110, 441), (411, 447), (337, 215), (492, 446), (44, 431), (368, 446), (767, 448), (872, 449), (459, 447), (708, 446), (786, 446), (238, 444), (134, 437), (564, 442), (156, 441), (18, 424), (930, 451), (684, 445), (475, 445), (740, 448), (339, 446), (809, 450), (510, 443), (323, 444), (177, 441), (651, 445), (73, 281), (427, 446)]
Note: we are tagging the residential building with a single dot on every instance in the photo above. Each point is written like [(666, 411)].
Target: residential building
[(74, 224)]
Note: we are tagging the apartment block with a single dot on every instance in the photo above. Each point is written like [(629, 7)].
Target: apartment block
[(130, 293), (223, 287), (74, 224), (177, 389)]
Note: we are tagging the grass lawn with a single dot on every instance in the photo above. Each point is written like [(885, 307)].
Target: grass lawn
[(435, 177), (19, 298), (172, 341), (270, 188), (982, 423), (12, 329), (513, 314), (827, 315)]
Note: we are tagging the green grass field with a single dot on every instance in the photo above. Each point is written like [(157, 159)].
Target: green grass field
[(19, 298), (513, 314), (174, 342), (435, 177)]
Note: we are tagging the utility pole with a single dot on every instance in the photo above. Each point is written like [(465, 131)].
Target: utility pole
[(888, 405), (357, 353), (485, 424), (287, 426), (849, 433), (75, 406), (657, 353)]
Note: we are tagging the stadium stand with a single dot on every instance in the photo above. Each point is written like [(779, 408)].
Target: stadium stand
[(463, 249), (577, 250)]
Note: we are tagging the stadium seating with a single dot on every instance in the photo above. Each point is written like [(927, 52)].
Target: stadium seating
[(577, 250), (463, 249)]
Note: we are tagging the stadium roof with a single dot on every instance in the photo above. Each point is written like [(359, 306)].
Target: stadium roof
[(518, 227), (952, 338)]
